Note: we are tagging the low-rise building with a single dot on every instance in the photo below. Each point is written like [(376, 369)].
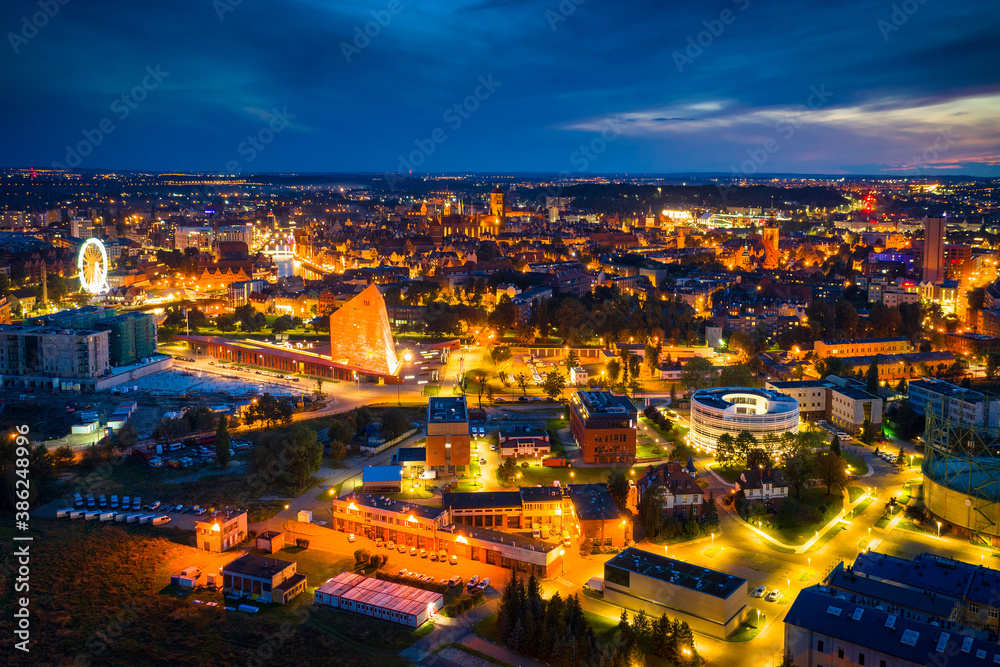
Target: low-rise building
[(810, 394), (713, 603), (598, 516), (262, 578), (523, 442), (762, 485), (385, 600), (221, 531), (682, 497), (860, 347), (382, 479), (412, 460), (851, 408)]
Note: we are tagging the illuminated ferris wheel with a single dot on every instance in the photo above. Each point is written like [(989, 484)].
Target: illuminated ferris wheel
[(93, 266)]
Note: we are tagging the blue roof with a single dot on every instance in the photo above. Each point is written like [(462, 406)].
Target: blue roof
[(381, 474)]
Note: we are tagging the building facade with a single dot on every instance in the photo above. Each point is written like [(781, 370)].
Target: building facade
[(732, 410), (604, 426), (221, 531), (263, 579), (449, 439)]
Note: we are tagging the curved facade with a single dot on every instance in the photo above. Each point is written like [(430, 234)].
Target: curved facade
[(964, 491), (735, 409)]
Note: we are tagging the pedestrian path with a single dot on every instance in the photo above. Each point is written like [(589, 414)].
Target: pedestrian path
[(565, 582), (808, 544), (497, 652)]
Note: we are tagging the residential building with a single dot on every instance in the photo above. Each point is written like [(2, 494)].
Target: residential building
[(385, 600), (682, 496), (221, 531), (239, 292), (53, 352), (604, 426), (132, 337), (762, 485), (713, 603), (262, 578), (449, 440), (972, 344)]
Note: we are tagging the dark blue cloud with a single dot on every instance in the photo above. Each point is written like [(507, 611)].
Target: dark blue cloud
[(683, 86)]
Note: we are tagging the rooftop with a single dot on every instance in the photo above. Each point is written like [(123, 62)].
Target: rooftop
[(481, 500), (381, 474), (604, 404), (678, 573), (899, 635), (446, 409), (511, 539), (253, 565), (593, 502), (384, 504)]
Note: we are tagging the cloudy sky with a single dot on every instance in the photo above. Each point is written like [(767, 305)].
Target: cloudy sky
[(584, 86)]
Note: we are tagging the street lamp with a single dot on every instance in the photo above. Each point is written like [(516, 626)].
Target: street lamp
[(713, 539), (939, 528), (562, 562)]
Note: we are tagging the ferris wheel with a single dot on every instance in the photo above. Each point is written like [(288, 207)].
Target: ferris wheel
[(93, 266)]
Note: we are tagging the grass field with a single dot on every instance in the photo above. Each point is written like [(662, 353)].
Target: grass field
[(728, 473), (537, 474), (817, 498), (857, 466), (100, 595)]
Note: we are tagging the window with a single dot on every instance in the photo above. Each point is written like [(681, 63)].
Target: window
[(819, 645), (991, 612), (974, 607), (881, 663), (861, 658), (840, 653)]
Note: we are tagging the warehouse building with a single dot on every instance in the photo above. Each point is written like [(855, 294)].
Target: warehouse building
[(713, 603), (385, 600)]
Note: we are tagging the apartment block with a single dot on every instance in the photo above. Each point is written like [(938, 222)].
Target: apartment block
[(449, 441)]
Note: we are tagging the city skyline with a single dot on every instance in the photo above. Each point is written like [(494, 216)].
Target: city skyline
[(739, 87)]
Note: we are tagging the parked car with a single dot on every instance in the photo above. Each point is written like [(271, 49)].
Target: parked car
[(493, 448), (114, 502), (484, 584), (423, 553), (91, 502), (401, 548), (350, 538), (136, 504), (155, 505), (404, 572), (455, 581), (103, 502), (758, 592), (179, 508), (453, 560), (499, 399), (378, 541), (472, 582), (390, 545), (433, 556), (774, 595)]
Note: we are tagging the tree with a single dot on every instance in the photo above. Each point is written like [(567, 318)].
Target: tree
[(901, 459), (725, 450), (506, 471), (835, 445), (222, 442), (395, 423), (503, 316), (500, 354), (652, 359), (62, 457), (872, 377), (303, 453), (554, 384), (902, 387), (788, 661), (711, 511), (281, 324), (225, 323), (651, 510), (319, 387), (745, 442), (798, 465), (698, 373), (614, 369), (618, 486), (739, 375), (832, 470), (522, 381)]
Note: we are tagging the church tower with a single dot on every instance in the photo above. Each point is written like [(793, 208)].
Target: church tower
[(496, 204)]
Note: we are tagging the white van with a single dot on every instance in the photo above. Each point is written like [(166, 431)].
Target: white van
[(146, 519), (160, 520)]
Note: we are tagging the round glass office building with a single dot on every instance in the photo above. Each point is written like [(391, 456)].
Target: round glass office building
[(735, 409)]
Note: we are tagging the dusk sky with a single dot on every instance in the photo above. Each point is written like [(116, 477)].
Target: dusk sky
[(907, 87)]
